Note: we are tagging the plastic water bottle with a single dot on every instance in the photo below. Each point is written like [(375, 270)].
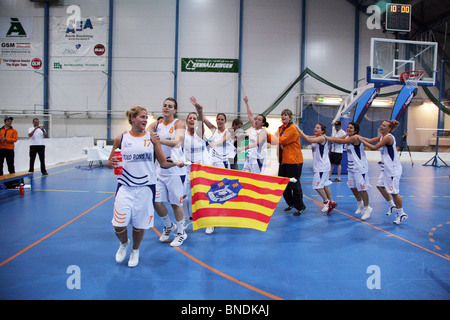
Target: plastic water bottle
[(119, 169), (22, 189)]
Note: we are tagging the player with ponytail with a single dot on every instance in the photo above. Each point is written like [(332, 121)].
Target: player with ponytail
[(391, 168)]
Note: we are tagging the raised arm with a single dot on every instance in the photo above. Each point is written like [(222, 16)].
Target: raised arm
[(249, 112), (199, 109)]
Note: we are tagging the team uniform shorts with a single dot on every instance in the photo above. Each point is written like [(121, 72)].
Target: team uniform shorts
[(359, 181), (321, 180), (335, 158), (391, 184), (134, 205), (255, 165), (170, 189), (221, 164)]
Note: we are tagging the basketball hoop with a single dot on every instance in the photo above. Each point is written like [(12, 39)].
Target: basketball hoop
[(411, 78)]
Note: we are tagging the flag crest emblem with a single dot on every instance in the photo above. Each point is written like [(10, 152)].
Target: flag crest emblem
[(222, 191)]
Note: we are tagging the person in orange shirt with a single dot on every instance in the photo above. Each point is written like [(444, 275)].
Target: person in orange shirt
[(8, 136), (290, 160)]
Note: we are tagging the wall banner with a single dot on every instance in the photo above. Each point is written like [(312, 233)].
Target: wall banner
[(209, 65), (18, 51), (78, 44), (16, 27)]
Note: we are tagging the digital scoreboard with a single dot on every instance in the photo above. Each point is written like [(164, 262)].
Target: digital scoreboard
[(398, 17)]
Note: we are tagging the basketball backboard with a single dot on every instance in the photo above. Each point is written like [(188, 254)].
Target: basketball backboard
[(389, 58)]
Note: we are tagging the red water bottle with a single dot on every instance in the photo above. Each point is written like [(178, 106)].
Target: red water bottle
[(22, 189), (119, 169)]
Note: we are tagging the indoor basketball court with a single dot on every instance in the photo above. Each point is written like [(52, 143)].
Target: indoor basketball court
[(59, 236), (79, 66)]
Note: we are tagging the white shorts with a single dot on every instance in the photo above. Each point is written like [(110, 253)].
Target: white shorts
[(187, 183), (255, 165), (321, 180), (221, 164), (391, 184), (358, 181), (170, 189), (134, 205)]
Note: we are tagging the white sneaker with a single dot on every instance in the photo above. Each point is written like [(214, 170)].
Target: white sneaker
[(179, 239), (134, 258), (167, 231), (391, 210), (400, 218), (326, 206), (209, 230), (360, 207), (122, 252), (366, 213)]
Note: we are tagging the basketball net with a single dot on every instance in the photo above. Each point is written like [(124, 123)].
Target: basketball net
[(411, 78)]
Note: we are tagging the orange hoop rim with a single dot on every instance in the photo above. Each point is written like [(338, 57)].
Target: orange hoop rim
[(411, 75)]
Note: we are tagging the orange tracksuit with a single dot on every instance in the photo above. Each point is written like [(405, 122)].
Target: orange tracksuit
[(11, 137)]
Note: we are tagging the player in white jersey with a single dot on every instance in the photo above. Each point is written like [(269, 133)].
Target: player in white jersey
[(220, 142), (170, 183), (136, 186), (321, 165), (389, 179), (358, 168), (220, 145), (196, 151), (256, 158)]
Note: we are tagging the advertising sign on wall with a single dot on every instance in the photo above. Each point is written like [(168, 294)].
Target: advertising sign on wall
[(209, 65), (78, 44), (18, 51)]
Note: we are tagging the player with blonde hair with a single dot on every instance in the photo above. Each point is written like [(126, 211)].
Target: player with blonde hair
[(391, 168), (135, 193)]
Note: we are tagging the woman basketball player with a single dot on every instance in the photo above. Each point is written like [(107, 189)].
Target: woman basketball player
[(358, 168), (391, 168), (136, 185), (170, 183)]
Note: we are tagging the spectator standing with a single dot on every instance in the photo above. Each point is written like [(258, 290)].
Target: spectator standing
[(8, 136), (37, 134), (336, 151)]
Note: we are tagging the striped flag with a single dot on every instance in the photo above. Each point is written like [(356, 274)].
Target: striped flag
[(231, 198)]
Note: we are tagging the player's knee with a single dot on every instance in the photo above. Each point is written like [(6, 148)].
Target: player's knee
[(119, 230)]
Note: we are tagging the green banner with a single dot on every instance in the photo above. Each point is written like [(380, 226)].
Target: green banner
[(209, 65)]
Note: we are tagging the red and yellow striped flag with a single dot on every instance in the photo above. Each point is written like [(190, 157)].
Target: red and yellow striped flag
[(231, 198)]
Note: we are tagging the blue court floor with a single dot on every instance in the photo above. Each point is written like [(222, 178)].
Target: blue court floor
[(57, 243)]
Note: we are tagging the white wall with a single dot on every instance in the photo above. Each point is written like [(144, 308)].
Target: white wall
[(57, 150), (144, 50), (271, 53)]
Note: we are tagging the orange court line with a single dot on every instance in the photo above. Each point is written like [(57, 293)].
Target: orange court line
[(387, 232), (54, 231), (221, 273)]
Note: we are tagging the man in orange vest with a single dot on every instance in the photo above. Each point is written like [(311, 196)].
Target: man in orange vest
[(290, 158), (8, 136)]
